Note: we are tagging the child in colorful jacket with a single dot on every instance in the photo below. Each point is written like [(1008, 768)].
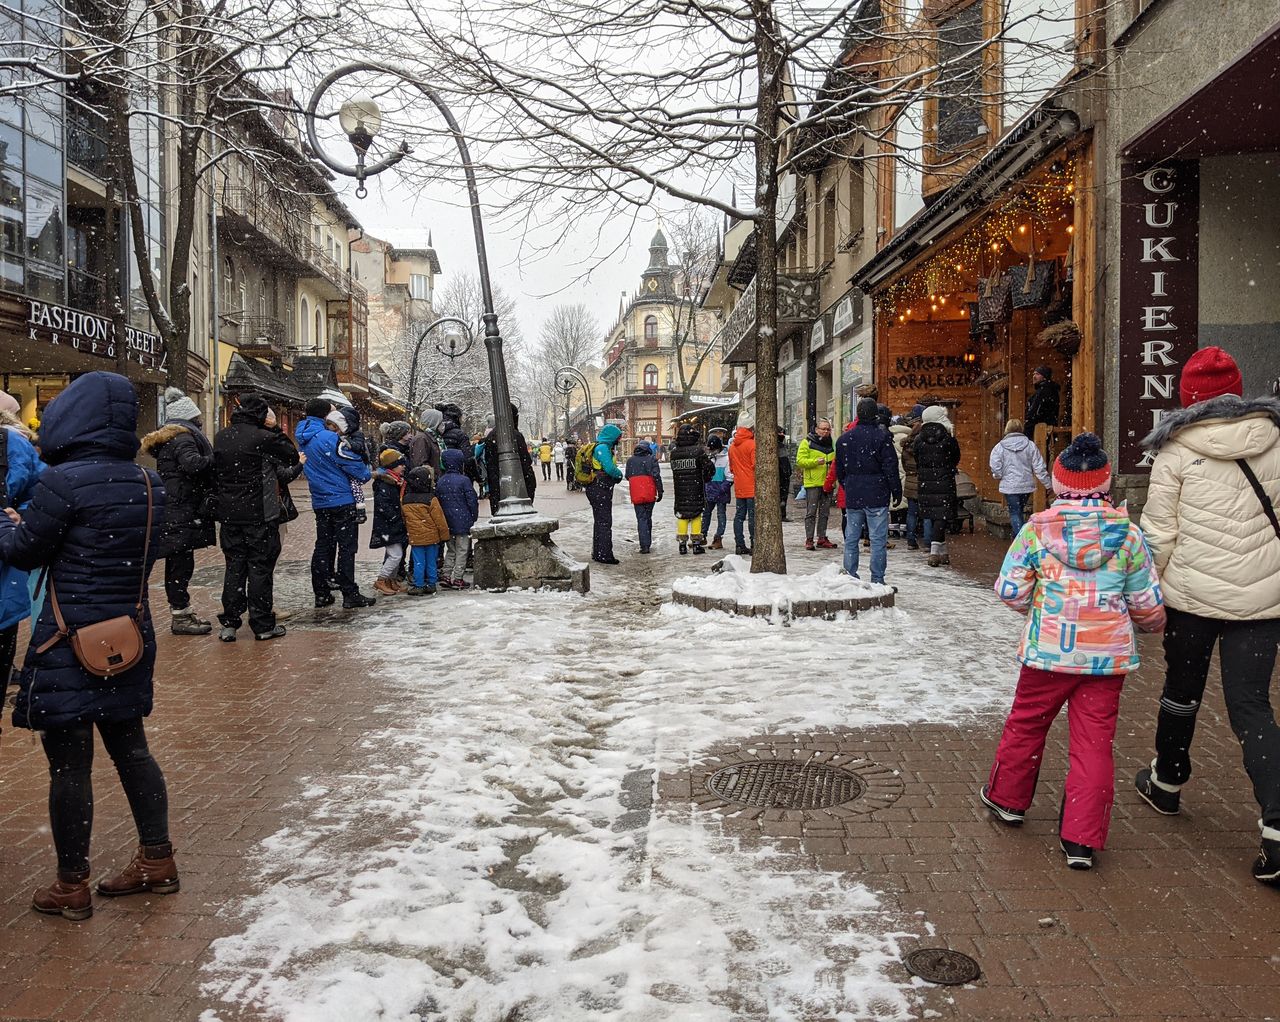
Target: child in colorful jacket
[(1082, 573)]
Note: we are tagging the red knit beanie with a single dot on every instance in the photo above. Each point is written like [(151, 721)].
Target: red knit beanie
[(1210, 372)]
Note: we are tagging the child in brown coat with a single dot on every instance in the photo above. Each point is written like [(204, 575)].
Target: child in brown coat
[(424, 519)]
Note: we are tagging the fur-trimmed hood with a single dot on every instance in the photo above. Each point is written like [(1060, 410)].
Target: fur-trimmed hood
[(1225, 427), (152, 442)]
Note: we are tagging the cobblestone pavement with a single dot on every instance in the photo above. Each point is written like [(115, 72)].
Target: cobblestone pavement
[(1169, 926)]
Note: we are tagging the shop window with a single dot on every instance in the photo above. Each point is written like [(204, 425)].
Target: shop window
[(651, 379), (651, 331)]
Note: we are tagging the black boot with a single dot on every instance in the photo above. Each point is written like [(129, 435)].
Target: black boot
[(684, 546)]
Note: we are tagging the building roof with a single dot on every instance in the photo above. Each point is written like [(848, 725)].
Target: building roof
[(428, 254)]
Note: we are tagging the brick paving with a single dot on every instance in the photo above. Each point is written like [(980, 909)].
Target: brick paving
[(1169, 926)]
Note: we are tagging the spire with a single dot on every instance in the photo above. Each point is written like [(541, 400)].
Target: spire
[(658, 251), (430, 244)]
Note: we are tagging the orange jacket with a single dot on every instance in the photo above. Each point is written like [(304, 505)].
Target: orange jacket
[(425, 523), (742, 462)]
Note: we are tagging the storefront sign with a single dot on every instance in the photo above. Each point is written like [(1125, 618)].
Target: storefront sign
[(818, 336), (90, 334), (1159, 295), (931, 372)]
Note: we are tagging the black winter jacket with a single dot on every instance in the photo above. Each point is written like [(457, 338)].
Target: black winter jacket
[(491, 464), (867, 467), (184, 459), (937, 457), (1042, 406), (246, 456), (691, 470), (86, 523)]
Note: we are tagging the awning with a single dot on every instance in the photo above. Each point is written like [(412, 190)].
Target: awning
[(248, 374), (1043, 130), (1236, 112)]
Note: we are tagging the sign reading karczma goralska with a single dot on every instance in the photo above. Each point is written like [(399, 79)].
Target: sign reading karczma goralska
[(90, 334)]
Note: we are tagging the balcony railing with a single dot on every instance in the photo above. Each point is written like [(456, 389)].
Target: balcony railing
[(261, 337), (284, 225), (86, 139)]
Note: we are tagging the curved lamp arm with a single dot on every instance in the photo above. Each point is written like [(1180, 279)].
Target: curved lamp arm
[(511, 484)]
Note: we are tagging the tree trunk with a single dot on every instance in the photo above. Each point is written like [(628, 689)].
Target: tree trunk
[(769, 554)]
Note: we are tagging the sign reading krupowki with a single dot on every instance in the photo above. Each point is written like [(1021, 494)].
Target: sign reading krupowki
[(1159, 295), (90, 334)]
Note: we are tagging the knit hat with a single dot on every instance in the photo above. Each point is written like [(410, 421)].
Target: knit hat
[(1045, 371), (395, 430), (746, 420), (1210, 372), (178, 406), (916, 412), (8, 403), (1082, 468), (390, 458), (432, 418), (338, 419)]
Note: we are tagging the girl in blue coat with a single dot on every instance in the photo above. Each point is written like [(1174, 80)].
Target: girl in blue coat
[(85, 531), (22, 468)]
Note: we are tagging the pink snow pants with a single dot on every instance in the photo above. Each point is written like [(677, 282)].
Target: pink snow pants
[(1093, 704)]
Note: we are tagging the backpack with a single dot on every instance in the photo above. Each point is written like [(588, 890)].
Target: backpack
[(584, 470)]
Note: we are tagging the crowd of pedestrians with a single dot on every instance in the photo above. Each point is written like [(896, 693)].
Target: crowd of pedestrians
[(83, 524)]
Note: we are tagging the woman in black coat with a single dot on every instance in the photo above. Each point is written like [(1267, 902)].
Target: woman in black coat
[(85, 531), (937, 457), (691, 470), (184, 459)]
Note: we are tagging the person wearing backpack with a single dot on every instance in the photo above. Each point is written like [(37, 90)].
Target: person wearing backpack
[(1210, 519), (691, 470), (92, 527), (20, 467), (598, 472), (717, 492), (644, 479)]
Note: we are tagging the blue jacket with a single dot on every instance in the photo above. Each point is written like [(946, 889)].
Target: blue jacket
[(867, 467), (457, 494), (602, 456), (24, 469), (86, 523), (331, 464)]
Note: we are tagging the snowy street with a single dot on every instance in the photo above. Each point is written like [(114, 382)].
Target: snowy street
[(492, 808)]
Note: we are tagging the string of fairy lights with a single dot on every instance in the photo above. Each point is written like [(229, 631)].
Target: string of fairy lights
[(1037, 212)]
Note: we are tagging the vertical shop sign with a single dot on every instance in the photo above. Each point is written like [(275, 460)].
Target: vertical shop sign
[(1159, 295)]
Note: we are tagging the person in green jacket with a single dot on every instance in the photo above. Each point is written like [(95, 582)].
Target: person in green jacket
[(814, 458)]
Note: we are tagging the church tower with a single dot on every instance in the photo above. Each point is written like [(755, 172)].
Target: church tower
[(658, 280)]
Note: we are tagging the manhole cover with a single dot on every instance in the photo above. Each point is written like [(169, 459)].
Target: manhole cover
[(786, 785), (940, 965)]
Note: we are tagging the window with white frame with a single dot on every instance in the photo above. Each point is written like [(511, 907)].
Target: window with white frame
[(420, 286)]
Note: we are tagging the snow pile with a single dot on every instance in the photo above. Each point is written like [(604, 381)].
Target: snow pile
[(499, 853), (736, 583)]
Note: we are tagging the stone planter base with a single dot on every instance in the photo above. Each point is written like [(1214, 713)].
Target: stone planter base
[(518, 553), (786, 610)]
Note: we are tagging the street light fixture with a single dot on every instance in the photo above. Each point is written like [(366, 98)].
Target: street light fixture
[(456, 340), (503, 556)]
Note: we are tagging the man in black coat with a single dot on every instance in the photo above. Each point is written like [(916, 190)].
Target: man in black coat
[(491, 462), (784, 473), (1042, 406), (184, 459), (867, 468), (246, 456)]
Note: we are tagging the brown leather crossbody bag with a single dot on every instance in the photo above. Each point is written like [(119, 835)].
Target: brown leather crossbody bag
[(111, 647)]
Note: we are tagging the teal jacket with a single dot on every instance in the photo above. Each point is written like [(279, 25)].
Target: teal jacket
[(602, 456)]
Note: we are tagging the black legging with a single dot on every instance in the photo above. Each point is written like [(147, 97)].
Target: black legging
[(70, 753)]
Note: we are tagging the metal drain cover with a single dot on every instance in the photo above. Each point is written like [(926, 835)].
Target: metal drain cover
[(775, 785), (942, 965)]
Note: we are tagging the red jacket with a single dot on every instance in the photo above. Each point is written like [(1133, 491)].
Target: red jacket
[(742, 462)]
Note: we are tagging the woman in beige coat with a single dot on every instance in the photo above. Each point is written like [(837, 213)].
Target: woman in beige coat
[(1216, 541)]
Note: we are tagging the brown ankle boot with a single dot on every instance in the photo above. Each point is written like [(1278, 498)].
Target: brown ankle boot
[(152, 869), (716, 544), (68, 896)]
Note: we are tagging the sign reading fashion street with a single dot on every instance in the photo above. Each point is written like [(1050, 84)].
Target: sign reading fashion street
[(1159, 295), (90, 334), (930, 372)]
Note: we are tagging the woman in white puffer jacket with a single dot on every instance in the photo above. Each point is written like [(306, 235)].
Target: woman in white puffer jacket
[(1217, 549)]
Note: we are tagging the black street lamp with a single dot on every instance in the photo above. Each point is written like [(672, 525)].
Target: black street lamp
[(360, 120), (456, 342), (566, 378)]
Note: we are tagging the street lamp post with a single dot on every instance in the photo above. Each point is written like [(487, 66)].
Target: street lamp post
[(361, 120), (456, 342), (514, 548), (566, 378)]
